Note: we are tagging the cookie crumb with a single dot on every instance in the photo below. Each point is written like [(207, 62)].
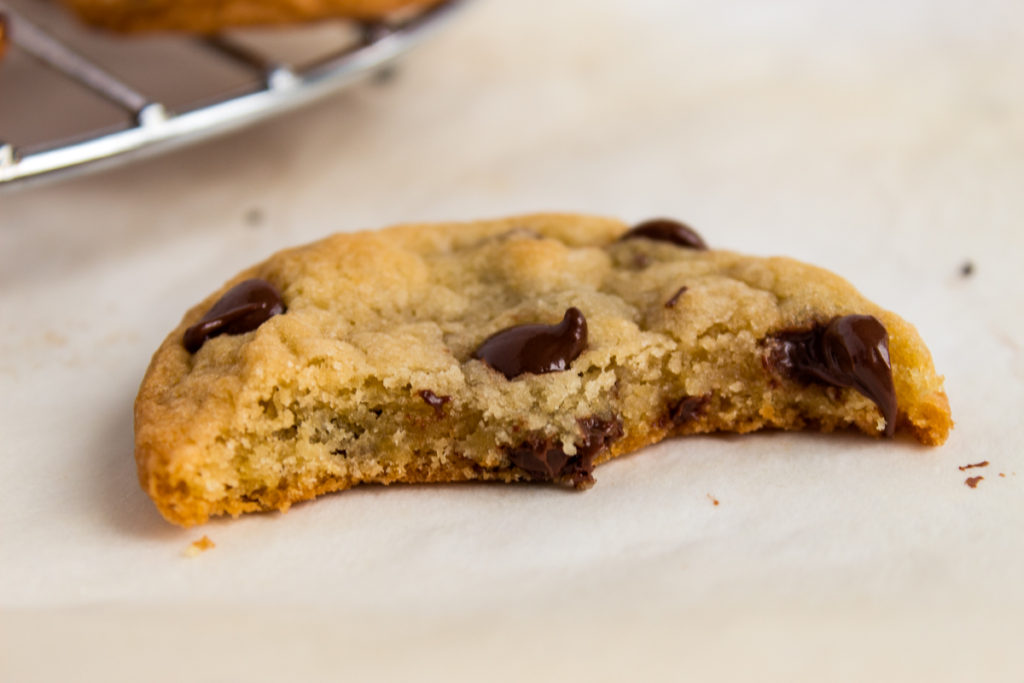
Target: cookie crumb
[(254, 217), (964, 468), (384, 75), (714, 501), (55, 338), (973, 481), (198, 547), (1002, 474), (967, 269)]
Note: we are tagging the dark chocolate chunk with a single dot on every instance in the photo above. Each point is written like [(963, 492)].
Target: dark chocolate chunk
[(544, 460), (851, 351), (687, 409), (674, 299), (541, 459), (667, 230), (434, 401), (536, 348), (598, 435), (242, 309)]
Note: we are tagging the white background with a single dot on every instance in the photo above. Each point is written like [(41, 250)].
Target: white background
[(883, 140)]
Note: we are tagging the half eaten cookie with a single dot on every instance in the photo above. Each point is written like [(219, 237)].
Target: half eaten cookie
[(526, 349)]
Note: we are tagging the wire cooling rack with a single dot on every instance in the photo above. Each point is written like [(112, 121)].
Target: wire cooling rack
[(148, 125)]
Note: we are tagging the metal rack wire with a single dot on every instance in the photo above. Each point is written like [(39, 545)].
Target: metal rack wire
[(150, 126)]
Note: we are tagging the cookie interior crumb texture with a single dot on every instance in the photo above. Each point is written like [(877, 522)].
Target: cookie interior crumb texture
[(370, 375)]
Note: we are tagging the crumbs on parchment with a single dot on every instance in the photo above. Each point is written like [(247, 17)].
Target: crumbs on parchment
[(973, 481), (196, 548), (254, 217)]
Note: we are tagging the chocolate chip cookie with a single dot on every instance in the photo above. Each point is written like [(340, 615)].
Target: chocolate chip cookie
[(526, 349), (210, 16)]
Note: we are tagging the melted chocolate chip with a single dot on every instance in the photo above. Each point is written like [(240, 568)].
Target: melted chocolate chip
[(544, 460), (667, 230), (687, 409), (598, 435), (541, 459), (536, 348), (242, 309), (434, 401), (851, 351), (674, 299)]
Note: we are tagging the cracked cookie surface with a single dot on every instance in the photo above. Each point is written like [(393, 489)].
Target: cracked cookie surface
[(370, 373)]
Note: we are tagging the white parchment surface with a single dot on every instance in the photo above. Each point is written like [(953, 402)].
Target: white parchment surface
[(882, 140)]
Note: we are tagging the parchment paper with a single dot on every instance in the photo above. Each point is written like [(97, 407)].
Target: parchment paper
[(884, 141)]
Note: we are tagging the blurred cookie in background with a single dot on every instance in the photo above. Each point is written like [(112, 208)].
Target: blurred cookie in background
[(210, 16)]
